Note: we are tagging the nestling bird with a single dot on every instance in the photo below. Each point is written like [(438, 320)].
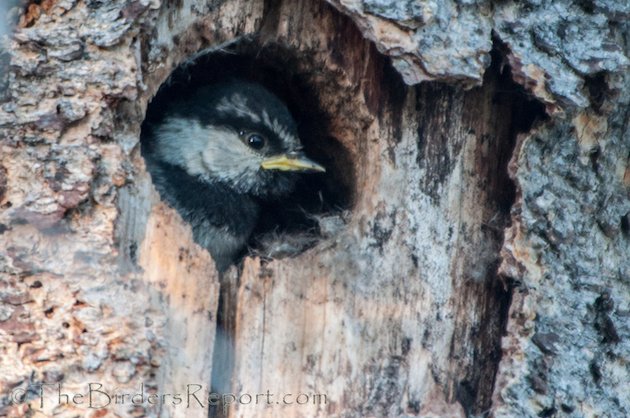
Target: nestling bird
[(218, 154)]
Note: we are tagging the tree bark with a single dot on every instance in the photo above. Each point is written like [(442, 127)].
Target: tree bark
[(481, 152)]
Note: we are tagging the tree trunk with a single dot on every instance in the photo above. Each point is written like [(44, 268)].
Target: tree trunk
[(478, 151)]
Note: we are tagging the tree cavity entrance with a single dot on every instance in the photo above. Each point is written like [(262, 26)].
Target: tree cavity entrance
[(318, 206)]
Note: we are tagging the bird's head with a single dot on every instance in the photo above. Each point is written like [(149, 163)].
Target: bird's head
[(236, 133)]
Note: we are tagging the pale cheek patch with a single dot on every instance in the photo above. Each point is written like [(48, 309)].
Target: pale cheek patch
[(226, 157), (180, 142)]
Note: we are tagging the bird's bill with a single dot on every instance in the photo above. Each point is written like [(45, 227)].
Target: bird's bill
[(286, 163)]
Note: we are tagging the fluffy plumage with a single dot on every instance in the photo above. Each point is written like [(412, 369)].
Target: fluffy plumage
[(217, 154)]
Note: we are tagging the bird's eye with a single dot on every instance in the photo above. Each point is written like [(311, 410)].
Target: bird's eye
[(256, 141)]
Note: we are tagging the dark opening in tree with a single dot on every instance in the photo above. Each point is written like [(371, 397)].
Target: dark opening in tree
[(288, 212)]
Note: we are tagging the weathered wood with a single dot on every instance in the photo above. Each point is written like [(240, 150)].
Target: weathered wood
[(455, 286)]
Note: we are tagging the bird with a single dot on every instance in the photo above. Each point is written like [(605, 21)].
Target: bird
[(218, 154)]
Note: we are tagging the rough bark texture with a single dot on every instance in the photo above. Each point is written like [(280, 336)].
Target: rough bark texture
[(482, 268)]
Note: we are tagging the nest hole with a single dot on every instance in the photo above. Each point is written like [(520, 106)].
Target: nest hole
[(319, 206)]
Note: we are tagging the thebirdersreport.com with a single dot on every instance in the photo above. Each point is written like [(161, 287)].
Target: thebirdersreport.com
[(193, 395)]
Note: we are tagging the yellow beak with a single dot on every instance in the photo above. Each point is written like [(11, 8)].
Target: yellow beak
[(286, 163)]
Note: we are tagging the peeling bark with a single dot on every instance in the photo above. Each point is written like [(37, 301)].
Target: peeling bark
[(480, 150)]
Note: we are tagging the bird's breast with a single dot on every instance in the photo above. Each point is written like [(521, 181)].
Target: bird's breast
[(222, 220)]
